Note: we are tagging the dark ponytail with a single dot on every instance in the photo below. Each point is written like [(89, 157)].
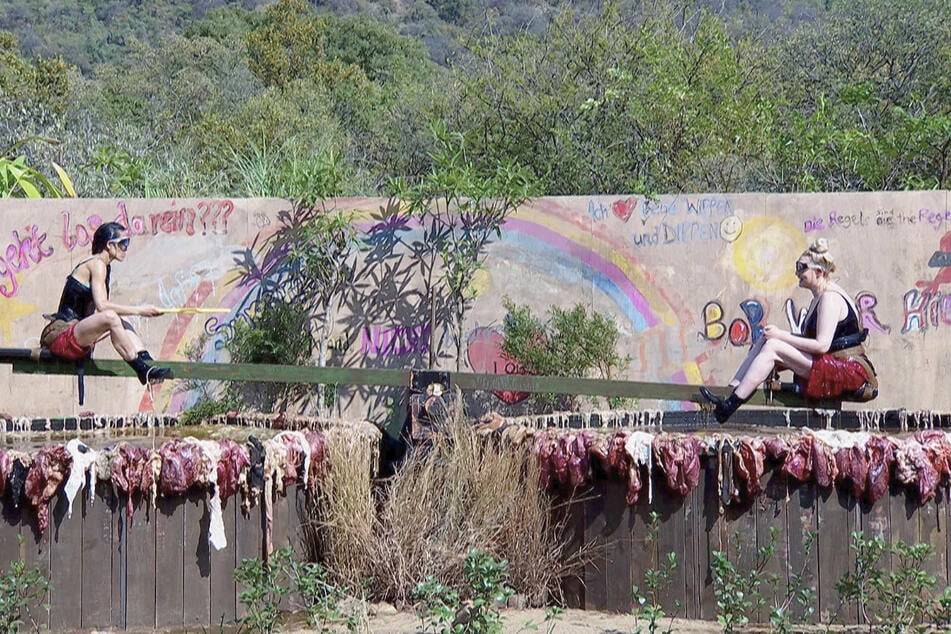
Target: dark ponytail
[(106, 232)]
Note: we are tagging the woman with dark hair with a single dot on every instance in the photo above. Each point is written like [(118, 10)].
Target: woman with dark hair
[(828, 358), (87, 315)]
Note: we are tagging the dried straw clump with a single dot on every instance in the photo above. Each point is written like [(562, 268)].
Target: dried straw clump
[(341, 529), (461, 492)]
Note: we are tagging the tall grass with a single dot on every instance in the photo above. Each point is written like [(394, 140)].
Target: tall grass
[(459, 493)]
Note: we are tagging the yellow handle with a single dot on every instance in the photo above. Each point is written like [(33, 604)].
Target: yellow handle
[(188, 309)]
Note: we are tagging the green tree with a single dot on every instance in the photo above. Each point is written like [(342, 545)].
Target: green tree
[(572, 343), (462, 208), (867, 98), (617, 102), (320, 245)]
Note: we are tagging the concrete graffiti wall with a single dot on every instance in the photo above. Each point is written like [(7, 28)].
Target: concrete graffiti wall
[(691, 280)]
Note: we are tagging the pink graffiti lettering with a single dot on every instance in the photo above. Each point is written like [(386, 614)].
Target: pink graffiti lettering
[(394, 341), (813, 224), (212, 214), (18, 255), (82, 234), (866, 303)]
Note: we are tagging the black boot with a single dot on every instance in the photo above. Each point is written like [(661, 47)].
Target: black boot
[(148, 373), (723, 408)]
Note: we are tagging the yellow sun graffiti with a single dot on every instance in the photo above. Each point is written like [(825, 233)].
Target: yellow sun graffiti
[(765, 252)]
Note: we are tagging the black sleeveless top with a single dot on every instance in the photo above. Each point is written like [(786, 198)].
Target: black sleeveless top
[(848, 326), (76, 302)]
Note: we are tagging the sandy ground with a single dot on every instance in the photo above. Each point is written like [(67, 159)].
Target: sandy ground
[(387, 620), (568, 622)]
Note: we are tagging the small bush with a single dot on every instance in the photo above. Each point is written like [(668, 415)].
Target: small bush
[(277, 333), (458, 494), (573, 343), (897, 599), (204, 411), (441, 609), (20, 588), (269, 585)]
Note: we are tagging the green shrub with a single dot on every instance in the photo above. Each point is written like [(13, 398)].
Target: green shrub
[(572, 343), (20, 588), (269, 586), (897, 599), (442, 608), (277, 332)]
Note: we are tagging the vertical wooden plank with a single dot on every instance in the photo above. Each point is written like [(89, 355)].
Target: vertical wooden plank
[(617, 548), (933, 530), (296, 515), (876, 522), (711, 535), (693, 534), (196, 584), (569, 515), (771, 525), (100, 547), (837, 520), (35, 553), (594, 576), (903, 518), (671, 538), (138, 564), (169, 562), (803, 560), (248, 544), (223, 590), (10, 519), (66, 565), (643, 554)]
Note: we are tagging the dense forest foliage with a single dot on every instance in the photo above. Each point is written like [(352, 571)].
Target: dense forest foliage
[(340, 97)]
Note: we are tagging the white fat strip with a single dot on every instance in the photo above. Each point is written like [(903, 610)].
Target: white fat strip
[(639, 445), (84, 460), (841, 439), (211, 451)]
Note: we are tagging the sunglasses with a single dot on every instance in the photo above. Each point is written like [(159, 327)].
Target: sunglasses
[(122, 243), (802, 266)]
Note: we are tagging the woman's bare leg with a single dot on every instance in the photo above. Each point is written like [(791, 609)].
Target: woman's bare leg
[(741, 371), (91, 329), (772, 353)]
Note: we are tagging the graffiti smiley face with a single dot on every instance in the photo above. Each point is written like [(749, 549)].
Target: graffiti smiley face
[(730, 228)]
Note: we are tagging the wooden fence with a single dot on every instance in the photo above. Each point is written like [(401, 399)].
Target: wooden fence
[(814, 528), (158, 571), (155, 571)]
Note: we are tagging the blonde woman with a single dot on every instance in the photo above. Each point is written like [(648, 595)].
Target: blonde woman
[(828, 358)]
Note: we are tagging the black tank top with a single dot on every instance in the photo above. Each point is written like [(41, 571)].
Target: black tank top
[(849, 325), (76, 302)]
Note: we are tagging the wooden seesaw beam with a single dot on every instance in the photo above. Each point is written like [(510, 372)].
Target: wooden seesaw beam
[(23, 363)]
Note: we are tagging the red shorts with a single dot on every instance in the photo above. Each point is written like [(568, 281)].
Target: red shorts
[(831, 376), (65, 346)]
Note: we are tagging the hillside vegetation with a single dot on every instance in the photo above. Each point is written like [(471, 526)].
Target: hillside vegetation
[(340, 97)]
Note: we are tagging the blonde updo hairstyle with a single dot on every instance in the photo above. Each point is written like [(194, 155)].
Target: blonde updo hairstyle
[(818, 255)]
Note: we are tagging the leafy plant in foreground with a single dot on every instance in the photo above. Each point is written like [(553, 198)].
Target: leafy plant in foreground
[(20, 588), (656, 581), (442, 608), (897, 599)]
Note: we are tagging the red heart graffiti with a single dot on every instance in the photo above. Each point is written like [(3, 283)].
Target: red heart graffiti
[(624, 208), (484, 352)]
